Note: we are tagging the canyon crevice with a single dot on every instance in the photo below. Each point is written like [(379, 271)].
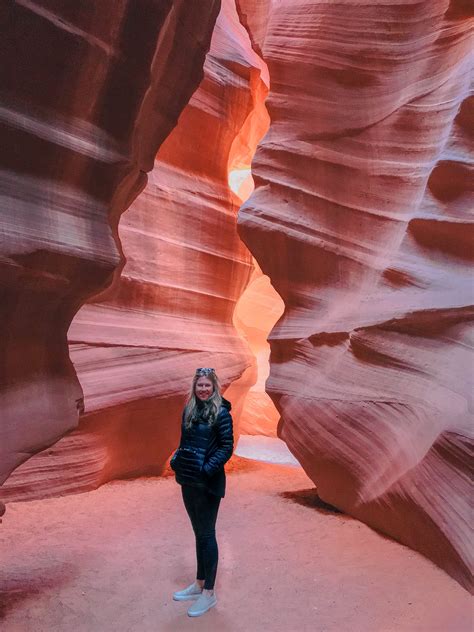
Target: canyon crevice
[(115, 285)]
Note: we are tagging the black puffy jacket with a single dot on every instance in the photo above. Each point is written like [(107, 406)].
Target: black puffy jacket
[(203, 450)]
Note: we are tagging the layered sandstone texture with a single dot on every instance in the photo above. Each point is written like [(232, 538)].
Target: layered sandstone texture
[(137, 347), (360, 218), (89, 92)]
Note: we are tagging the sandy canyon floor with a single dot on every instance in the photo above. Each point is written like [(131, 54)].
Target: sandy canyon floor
[(110, 560)]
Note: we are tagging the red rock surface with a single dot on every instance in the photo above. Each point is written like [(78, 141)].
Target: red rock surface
[(359, 218), (135, 350), (88, 94)]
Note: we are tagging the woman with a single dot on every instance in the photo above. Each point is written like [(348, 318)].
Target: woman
[(206, 444)]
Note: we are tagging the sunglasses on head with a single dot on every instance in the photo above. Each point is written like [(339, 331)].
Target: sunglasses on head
[(204, 371)]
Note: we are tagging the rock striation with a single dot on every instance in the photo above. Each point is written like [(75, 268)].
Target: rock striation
[(136, 346), (360, 219), (88, 95)]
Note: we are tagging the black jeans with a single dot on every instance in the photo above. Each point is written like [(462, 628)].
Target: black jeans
[(202, 508)]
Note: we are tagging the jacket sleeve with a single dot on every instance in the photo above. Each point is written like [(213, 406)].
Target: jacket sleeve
[(225, 442), (173, 458)]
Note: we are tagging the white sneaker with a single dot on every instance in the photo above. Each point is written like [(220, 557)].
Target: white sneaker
[(202, 604), (191, 592)]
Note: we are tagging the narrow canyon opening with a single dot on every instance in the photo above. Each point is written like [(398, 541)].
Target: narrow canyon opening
[(256, 312)]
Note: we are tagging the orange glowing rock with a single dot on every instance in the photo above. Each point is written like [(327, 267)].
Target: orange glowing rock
[(257, 311)]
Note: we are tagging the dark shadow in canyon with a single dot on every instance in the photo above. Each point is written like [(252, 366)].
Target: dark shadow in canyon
[(309, 498)]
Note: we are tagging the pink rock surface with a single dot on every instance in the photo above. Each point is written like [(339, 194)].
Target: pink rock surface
[(359, 218), (88, 95), (137, 347), (254, 15)]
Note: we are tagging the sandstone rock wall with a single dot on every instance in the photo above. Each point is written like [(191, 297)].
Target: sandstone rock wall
[(136, 348), (360, 219), (89, 91)]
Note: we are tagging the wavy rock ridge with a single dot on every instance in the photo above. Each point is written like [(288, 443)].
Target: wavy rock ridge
[(170, 311), (77, 138), (359, 218)]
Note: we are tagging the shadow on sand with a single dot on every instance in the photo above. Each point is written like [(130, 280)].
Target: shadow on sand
[(15, 589), (309, 498)]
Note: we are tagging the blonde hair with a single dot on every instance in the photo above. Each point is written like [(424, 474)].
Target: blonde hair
[(211, 406)]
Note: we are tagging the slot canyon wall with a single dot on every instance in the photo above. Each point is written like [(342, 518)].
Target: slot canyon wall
[(360, 217), (136, 346), (86, 101)]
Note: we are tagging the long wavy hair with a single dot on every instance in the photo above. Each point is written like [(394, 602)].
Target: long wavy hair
[(209, 409)]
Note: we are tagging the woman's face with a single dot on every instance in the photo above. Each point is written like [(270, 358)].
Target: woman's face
[(203, 388)]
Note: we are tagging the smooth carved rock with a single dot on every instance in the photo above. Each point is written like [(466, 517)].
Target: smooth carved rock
[(136, 349), (360, 219), (88, 95), (254, 15)]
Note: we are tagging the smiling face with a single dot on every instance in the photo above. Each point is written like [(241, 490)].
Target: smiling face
[(203, 388)]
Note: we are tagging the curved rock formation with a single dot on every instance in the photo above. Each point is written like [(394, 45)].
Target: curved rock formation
[(359, 218), (135, 350), (254, 15), (86, 100)]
